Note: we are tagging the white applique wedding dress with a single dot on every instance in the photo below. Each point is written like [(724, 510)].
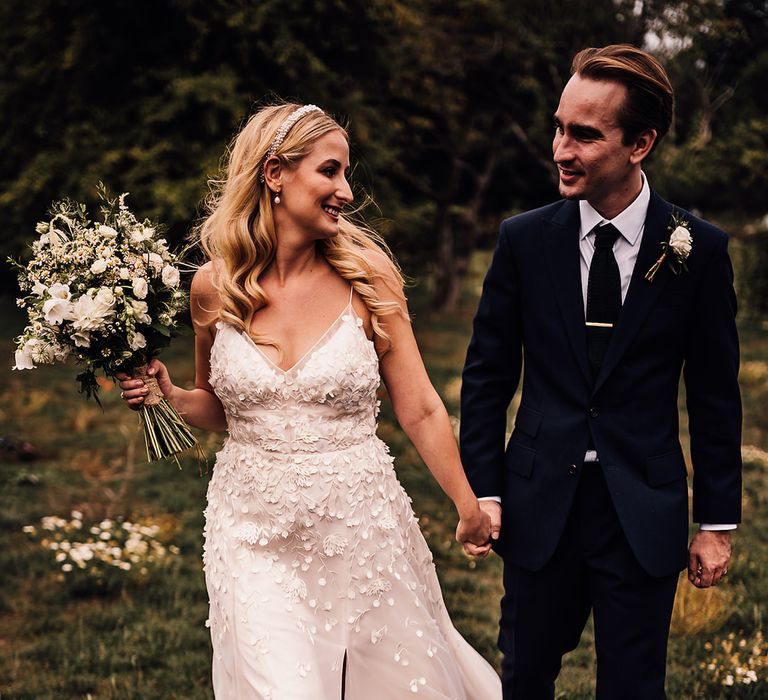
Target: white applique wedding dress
[(314, 562)]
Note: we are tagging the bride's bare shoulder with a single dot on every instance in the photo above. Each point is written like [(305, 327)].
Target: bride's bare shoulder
[(204, 298)]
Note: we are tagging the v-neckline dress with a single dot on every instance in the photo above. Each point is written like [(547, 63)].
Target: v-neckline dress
[(314, 561)]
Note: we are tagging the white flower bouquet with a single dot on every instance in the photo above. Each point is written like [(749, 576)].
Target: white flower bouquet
[(106, 294)]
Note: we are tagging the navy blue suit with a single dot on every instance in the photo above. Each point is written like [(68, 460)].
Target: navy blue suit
[(530, 321)]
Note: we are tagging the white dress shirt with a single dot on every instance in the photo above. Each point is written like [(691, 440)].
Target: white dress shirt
[(630, 224)]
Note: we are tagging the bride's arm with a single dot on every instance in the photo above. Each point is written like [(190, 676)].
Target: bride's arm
[(199, 407), (421, 412)]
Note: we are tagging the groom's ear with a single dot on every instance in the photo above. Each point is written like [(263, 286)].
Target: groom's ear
[(642, 146)]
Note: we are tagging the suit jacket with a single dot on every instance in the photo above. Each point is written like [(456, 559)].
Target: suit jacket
[(530, 320)]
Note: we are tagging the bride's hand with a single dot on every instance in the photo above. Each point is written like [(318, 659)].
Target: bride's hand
[(133, 389), (474, 532)]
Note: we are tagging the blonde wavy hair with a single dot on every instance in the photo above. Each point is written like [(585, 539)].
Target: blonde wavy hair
[(239, 236)]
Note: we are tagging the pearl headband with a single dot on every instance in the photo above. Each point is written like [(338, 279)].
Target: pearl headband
[(282, 132)]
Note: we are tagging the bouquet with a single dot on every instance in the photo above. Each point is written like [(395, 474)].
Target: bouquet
[(108, 295)]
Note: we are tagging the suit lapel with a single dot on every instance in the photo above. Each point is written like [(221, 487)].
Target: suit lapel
[(641, 295), (562, 242)]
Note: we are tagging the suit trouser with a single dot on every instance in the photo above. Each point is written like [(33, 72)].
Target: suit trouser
[(543, 612)]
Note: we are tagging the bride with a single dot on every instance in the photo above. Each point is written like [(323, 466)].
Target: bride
[(321, 584)]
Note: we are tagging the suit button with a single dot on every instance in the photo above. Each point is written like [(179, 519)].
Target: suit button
[(594, 412), (572, 469)]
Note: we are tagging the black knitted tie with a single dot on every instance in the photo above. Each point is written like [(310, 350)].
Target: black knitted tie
[(603, 295)]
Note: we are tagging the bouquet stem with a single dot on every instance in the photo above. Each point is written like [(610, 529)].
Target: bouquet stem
[(165, 432)]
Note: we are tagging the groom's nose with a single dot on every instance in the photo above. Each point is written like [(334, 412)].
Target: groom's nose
[(562, 148)]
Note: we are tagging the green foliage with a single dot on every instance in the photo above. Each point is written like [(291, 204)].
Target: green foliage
[(449, 104)]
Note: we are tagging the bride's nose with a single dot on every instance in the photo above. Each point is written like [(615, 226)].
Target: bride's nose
[(344, 191)]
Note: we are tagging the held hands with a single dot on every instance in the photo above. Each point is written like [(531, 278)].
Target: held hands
[(474, 532), (708, 557), (134, 391)]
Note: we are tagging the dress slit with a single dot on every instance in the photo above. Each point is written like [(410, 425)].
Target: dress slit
[(344, 675)]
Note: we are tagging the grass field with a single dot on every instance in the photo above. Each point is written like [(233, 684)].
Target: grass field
[(134, 637)]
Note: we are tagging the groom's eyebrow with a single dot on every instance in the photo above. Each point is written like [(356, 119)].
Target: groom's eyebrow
[(580, 131), (586, 132)]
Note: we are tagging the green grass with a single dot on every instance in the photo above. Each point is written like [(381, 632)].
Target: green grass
[(148, 640)]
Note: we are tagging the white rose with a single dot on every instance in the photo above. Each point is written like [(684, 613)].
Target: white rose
[(170, 276), (106, 231), (125, 273), (106, 296), (98, 266), (681, 242), (138, 341), (106, 252), (140, 288)]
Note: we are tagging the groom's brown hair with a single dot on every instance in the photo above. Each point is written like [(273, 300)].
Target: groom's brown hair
[(650, 98)]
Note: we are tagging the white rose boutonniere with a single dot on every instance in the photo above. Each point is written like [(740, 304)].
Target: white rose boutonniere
[(676, 250)]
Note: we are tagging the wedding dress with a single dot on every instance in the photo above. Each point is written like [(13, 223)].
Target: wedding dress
[(314, 561)]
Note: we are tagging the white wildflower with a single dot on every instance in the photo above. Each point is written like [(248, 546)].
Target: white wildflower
[(58, 308), (23, 356), (155, 261), (139, 309), (82, 339)]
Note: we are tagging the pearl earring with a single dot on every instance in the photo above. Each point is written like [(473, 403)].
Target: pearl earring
[(276, 200)]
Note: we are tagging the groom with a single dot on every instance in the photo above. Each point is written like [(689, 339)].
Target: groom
[(589, 497)]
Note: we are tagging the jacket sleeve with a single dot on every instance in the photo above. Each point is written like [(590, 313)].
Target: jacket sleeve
[(712, 394), (491, 373)]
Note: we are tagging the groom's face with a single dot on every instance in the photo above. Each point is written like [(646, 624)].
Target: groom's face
[(592, 160)]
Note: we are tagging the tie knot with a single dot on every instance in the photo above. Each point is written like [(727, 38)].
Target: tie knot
[(605, 235)]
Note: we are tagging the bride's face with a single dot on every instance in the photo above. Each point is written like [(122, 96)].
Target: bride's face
[(314, 192)]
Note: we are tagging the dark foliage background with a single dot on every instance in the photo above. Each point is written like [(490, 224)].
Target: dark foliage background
[(449, 106)]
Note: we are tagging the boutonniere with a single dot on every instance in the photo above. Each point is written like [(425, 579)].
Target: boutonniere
[(676, 250)]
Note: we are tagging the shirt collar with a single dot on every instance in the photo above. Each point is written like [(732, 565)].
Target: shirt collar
[(629, 222)]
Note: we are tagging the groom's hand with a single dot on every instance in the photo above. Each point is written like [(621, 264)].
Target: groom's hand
[(493, 509), (708, 557)]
